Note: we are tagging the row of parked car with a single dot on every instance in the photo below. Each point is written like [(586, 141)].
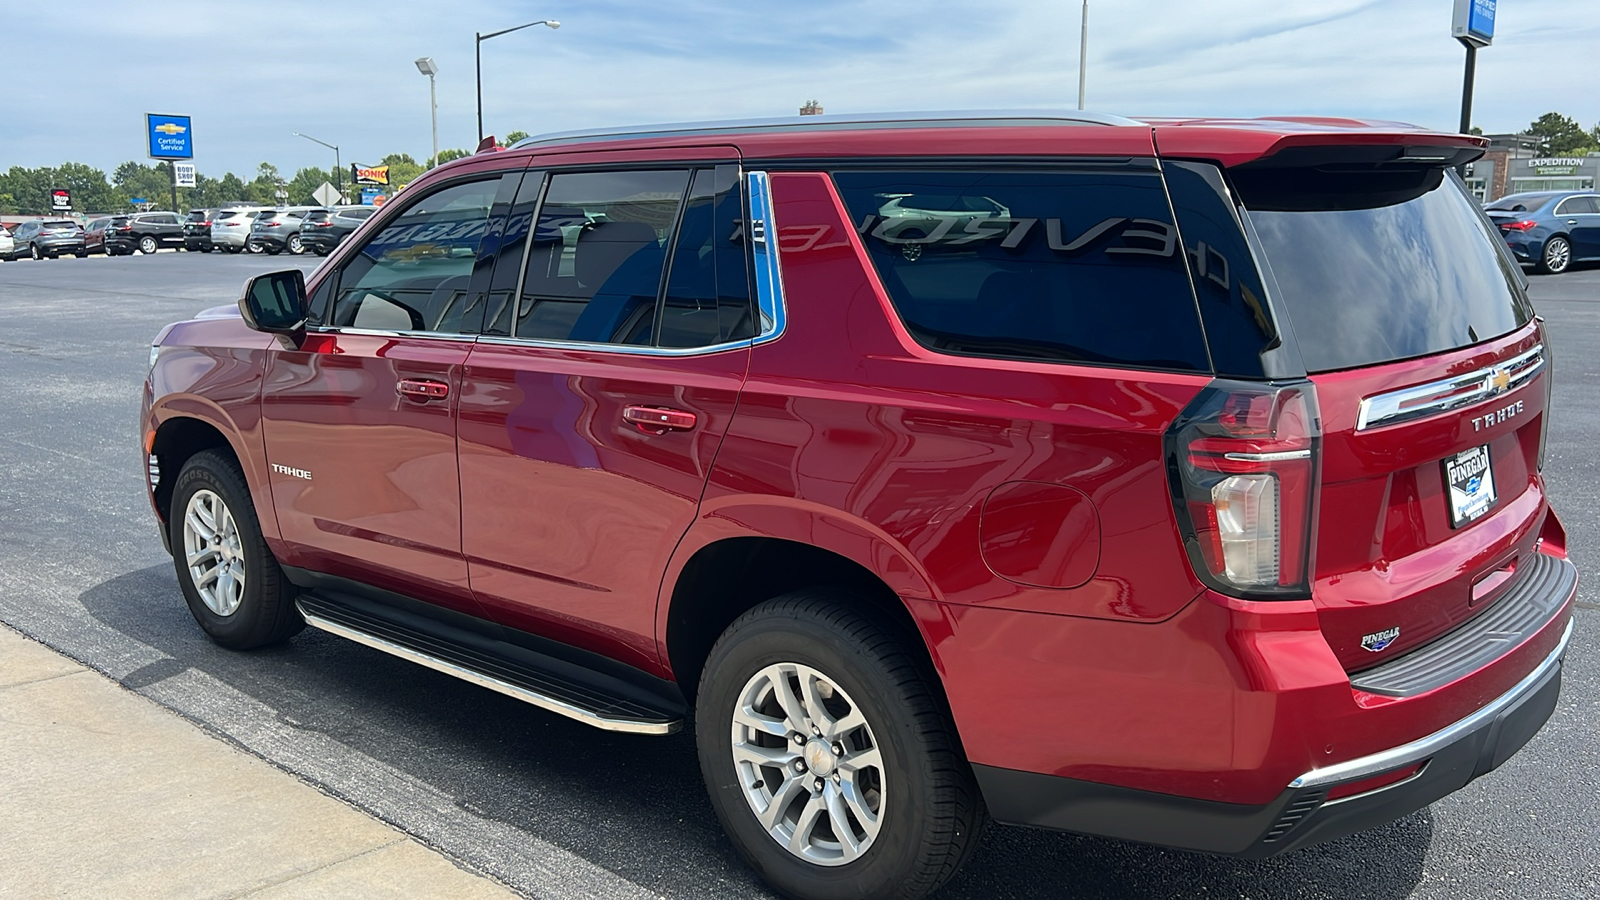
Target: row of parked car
[(296, 230)]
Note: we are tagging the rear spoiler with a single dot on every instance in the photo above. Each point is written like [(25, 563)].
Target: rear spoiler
[(1234, 146)]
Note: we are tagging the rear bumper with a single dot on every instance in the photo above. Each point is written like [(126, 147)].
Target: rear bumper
[(229, 238), (1301, 815), (318, 240)]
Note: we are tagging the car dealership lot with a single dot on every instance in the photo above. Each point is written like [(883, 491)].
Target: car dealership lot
[(556, 809)]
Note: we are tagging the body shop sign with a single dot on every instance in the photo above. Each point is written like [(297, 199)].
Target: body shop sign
[(171, 137)]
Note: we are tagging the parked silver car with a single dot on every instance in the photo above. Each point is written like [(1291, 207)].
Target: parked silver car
[(277, 230)]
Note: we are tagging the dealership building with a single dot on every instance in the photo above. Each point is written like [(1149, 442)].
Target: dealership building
[(1512, 166)]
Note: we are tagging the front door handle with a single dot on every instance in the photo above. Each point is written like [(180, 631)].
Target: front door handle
[(422, 389), (658, 420)]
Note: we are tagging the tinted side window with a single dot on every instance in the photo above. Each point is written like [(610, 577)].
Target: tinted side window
[(1076, 265), (596, 256), (707, 300), (1240, 330), (413, 275), (1577, 205)]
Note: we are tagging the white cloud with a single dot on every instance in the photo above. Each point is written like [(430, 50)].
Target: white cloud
[(252, 74)]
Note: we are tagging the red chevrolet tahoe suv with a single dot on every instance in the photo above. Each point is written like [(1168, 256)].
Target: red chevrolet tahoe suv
[(1177, 481)]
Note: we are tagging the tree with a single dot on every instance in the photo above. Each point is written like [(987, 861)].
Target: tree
[(402, 169), (513, 137), (453, 153), (1559, 135), (305, 183)]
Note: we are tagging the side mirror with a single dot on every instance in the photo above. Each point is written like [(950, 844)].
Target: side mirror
[(276, 303)]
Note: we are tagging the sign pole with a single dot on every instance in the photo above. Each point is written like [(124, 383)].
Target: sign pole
[(1466, 86), (172, 169)]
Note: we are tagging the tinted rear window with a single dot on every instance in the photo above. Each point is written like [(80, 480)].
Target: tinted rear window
[(318, 215), (1070, 265), (59, 226), (1519, 202), (1371, 273)]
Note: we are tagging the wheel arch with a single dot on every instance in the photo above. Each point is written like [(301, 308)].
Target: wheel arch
[(738, 556), (185, 426)]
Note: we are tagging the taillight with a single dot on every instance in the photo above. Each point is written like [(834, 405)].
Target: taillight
[(1524, 225), (1242, 459)]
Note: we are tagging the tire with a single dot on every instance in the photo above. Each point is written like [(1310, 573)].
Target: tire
[(929, 814), (322, 251), (273, 251), (1556, 256), (148, 245), (82, 254), (262, 610), (33, 250), (205, 249), (294, 245)]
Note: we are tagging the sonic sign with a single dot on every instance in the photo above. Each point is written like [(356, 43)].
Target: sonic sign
[(171, 137)]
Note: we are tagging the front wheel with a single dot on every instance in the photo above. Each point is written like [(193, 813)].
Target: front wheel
[(295, 246), (828, 754), (234, 587), (1557, 256), (33, 250)]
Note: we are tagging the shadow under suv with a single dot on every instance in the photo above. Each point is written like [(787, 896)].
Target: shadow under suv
[(937, 470)]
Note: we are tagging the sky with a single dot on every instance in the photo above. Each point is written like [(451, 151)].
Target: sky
[(81, 76)]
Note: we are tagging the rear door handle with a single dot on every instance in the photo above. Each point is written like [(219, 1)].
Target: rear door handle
[(422, 389), (657, 420), (1572, 221)]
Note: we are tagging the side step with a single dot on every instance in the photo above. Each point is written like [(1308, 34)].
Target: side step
[(545, 682)]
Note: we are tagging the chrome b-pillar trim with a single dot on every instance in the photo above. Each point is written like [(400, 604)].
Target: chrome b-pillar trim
[(763, 234)]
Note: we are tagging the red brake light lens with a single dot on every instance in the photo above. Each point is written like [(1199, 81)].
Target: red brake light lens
[(1242, 460), (1524, 225)]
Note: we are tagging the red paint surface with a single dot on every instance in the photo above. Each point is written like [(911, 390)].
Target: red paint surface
[(1386, 555), (1093, 657)]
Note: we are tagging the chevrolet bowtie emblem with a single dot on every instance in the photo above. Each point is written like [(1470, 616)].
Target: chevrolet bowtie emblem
[(170, 128), (1498, 381)]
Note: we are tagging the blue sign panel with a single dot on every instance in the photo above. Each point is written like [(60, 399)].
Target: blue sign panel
[(1480, 22), (171, 137), (1474, 22), (369, 196)]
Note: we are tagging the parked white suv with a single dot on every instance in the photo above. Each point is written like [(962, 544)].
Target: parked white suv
[(230, 230)]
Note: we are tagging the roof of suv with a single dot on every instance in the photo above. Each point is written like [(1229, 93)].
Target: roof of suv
[(1024, 132)]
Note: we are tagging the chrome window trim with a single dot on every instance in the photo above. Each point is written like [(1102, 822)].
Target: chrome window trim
[(1423, 400), (624, 349), (1422, 748), (384, 333), (768, 270)]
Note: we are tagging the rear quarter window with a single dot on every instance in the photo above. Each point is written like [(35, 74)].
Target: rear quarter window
[(1072, 265)]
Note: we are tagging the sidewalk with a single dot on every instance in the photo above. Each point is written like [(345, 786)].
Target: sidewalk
[(105, 794)]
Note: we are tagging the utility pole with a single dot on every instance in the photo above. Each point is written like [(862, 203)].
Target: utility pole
[(1083, 52)]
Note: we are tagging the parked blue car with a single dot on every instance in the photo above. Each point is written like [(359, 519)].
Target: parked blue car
[(1549, 229)]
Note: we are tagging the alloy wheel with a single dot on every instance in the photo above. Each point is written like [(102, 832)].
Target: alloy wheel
[(214, 552), (1557, 255), (810, 767)]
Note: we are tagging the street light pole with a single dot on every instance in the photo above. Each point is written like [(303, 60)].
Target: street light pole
[(477, 52), (338, 164), (426, 66), (1083, 52)]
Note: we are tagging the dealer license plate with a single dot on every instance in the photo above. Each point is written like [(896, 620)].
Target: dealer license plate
[(1469, 480)]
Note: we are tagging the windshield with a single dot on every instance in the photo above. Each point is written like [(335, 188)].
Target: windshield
[(1382, 271)]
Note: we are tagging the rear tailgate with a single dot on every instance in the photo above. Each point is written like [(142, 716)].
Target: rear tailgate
[(1432, 381)]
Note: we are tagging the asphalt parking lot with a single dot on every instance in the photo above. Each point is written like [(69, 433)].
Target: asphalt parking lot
[(555, 809)]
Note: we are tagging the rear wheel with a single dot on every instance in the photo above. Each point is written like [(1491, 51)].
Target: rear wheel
[(234, 587), (1557, 256), (148, 244), (828, 755)]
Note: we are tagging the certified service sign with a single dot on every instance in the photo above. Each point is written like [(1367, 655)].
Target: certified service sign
[(170, 136)]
